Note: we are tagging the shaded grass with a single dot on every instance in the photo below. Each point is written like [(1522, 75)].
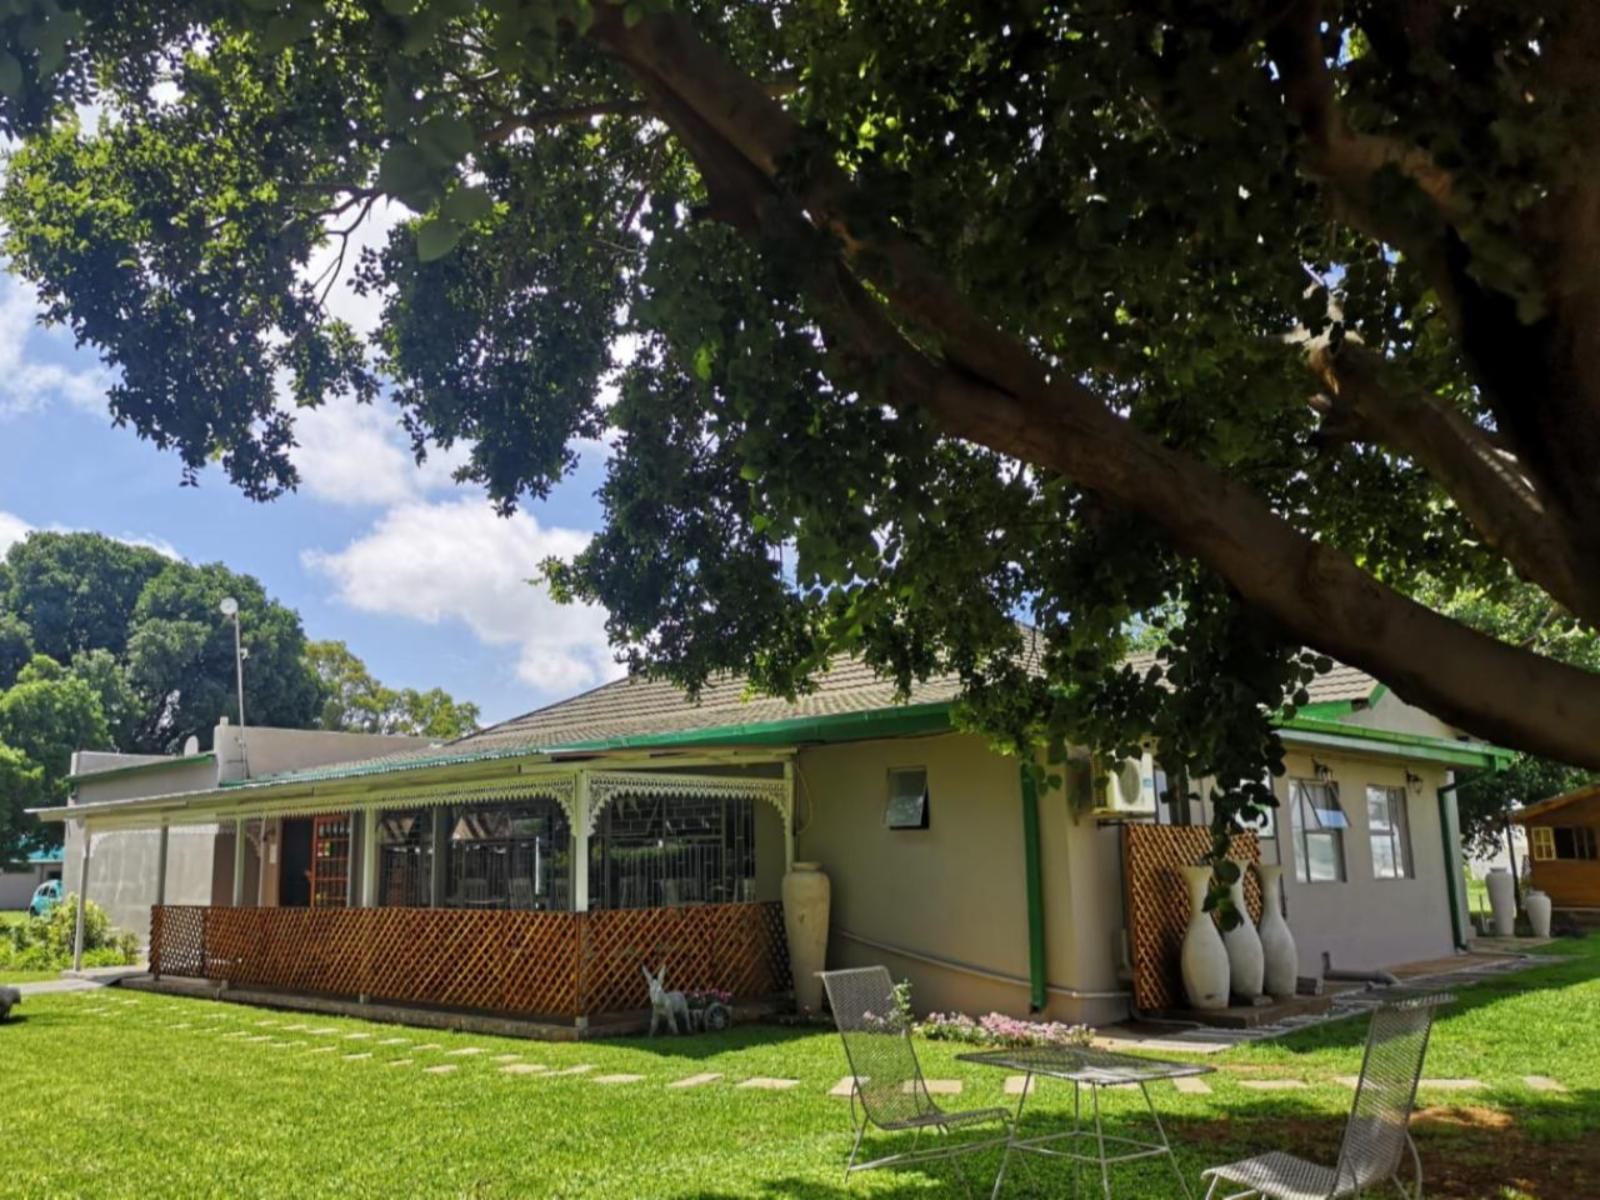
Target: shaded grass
[(142, 1109)]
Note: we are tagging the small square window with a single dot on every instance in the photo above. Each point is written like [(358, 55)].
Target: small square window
[(1544, 843), (908, 798)]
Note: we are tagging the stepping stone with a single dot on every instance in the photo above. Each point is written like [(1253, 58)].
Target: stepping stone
[(936, 1087), (463, 1051), (580, 1069), (260, 1037), (393, 1042), (522, 1068), (321, 1050), (265, 1024), (1191, 1085), (1020, 1085), (505, 1058), (427, 1046), (355, 1057), (617, 1078), (1349, 1081), (296, 1028), (842, 1089), (1451, 1085), (277, 1045), (237, 1033), (323, 1031), (1543, 1083), (442, 1069), (693, 1081), (763, 1084), (402, 1062), (357, 1037), (1273, 1085), (179, 1025)]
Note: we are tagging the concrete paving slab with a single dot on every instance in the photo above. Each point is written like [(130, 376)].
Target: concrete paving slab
[(401, 1062), (463, 1051), (1450, 1085), (1274, 1085), (693, 1081), (357, 1057), (843, 1088), (763, 1084), (936, 1087), (522, 1068), (441, 1069), (1192, 1085), (1543, 1083), (617, 1078), (1020, 1085), (505, 1058), (580, 1069), (394, 1041)]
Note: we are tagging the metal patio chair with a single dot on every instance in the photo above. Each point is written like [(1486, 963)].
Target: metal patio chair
[(1377, 1136), (887, 1079)]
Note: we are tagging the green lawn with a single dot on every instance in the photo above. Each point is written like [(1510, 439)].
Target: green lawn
[(141, 1108)]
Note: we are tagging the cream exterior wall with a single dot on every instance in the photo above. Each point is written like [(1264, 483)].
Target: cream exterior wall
[(947, 907), (1366, 922)]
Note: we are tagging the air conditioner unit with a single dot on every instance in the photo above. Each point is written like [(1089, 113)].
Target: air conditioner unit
[(1130, 788)]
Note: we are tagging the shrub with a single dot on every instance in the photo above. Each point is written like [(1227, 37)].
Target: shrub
[(45, 943)]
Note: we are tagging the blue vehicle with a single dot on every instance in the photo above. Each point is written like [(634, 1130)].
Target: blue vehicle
[(45, 897)]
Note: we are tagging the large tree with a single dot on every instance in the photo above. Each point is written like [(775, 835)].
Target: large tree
[(937, 313), (355, 700)]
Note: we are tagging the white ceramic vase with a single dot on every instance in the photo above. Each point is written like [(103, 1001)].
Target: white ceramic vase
[(1280, 958), (1502, 901), (806, 894), (1537, 906), (1205, 958), (1246, 964)]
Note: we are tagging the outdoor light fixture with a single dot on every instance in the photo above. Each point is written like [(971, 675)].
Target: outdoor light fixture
[(230, 609), (1414, 782), (1322, 770)]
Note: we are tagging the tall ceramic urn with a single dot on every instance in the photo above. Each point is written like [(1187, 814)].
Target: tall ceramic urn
[(1538, 907), (806, 892), (1280, 958), (1246, 964), (1206, 975), (1502, 901)]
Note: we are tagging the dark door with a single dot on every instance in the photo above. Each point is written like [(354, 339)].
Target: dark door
[(294, 880)]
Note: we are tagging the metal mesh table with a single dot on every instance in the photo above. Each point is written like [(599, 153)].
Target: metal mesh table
[(1084, 1067)]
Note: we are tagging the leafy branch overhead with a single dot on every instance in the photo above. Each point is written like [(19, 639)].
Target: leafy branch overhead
[(1275, 317)]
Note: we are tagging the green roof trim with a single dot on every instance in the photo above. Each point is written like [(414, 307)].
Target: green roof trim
[(906, 721), (181, 760), (1464, 754)]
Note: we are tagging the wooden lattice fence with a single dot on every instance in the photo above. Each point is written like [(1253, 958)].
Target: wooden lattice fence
[(524, 963), (1158, 903)]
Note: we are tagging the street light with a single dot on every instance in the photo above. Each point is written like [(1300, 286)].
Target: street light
[(230, 609)]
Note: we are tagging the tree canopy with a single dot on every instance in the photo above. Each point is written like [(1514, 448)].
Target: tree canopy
[(935, 314), (357, 702)]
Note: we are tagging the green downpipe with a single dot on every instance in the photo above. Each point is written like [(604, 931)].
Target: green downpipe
[(1034, 869), (1452, 862)]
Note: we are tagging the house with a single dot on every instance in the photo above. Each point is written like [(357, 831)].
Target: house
[(532, 867), (199, 857), (18, 881), (1564, 848)]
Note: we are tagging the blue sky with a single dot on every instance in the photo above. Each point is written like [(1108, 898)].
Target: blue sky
[(414, 572)]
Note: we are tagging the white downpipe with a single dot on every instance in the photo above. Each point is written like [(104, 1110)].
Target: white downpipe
[(83, 898), (950, 964)]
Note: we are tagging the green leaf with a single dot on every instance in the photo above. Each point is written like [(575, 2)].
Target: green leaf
[(10, 74), (632, 13), (446, 139), (402, 171), (703, 358), (436, 237), (467, 205), (400, 8)]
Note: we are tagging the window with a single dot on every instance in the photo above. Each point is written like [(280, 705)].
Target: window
[(1319, 824), (513, 856), (1388, 827), (1574, 841), (654, 851), (405, 858), (1544, 843), (908, 798)]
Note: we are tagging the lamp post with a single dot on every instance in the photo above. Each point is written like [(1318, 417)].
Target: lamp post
[(230, 609)]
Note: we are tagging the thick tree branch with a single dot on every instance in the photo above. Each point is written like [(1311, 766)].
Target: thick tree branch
[(1495, 492), (1349, 162), (991, 390)]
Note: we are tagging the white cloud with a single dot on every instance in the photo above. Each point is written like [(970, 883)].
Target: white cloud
[(458, 561), (28, 384), (13, 529), (350, 453), (362, 313)]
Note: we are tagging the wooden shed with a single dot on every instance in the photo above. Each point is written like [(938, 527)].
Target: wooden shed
[(1564, 847)]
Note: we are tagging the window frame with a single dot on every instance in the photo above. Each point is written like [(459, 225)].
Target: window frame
[(1300, 808), (1395, 832), (1580, 839), (1542, 843), (902, 824)]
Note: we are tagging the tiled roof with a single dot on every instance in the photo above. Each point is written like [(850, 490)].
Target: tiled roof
[(637, 707)]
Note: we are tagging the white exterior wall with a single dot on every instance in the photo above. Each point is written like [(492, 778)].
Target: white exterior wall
[(17, 887)]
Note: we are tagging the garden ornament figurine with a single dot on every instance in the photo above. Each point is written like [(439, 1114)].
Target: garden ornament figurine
[(665, 1004), (8, 997)]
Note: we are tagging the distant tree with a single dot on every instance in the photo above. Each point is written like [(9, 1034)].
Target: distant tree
[(21, 788), (357, 701), (76, 591), (16, 644), (180, 659), (46, 716), (102, 671)]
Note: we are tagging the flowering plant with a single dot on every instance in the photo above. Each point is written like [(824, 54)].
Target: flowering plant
[(997, 1029), (708, 997)]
